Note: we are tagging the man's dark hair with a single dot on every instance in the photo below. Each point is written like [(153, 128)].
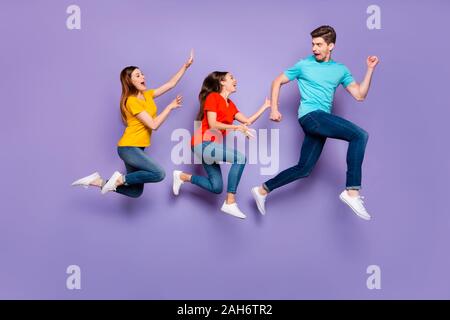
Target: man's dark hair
[(326, 32)]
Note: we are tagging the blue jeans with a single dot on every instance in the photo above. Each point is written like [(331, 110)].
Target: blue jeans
[(140, 169), (318, 126), (210, 153)]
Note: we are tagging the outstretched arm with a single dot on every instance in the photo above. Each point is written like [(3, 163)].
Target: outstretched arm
[(248, 121), (359, 90), (214, 124), (275, 115), (155, 123), (175, 79)]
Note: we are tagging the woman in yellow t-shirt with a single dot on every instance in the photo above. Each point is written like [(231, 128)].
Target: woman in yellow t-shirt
[(139, 115)]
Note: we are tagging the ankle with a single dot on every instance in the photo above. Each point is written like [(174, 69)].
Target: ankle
[(120, 181), (353, 193), (185, 177), (262, 191), (230, 199)]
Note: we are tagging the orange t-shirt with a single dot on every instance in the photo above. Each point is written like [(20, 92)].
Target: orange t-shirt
[(225, 114)]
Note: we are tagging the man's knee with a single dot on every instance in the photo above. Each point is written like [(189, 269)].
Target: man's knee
[(362, 135), (365, 135)]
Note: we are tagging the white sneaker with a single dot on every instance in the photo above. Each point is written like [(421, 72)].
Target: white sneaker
[(111, 184), (233, 210), (260, 200), (356, 204), (177, 182), (86, 181)]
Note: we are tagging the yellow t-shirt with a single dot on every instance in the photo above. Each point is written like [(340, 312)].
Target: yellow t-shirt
[(136, 133)]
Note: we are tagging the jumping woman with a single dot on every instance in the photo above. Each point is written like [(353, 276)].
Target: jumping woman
[(217, 113), (139, 115)]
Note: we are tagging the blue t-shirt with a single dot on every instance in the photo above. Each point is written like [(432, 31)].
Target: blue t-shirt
[(317, 82)]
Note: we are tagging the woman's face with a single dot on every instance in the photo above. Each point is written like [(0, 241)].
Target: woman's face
[(138, 80), (229, 83)]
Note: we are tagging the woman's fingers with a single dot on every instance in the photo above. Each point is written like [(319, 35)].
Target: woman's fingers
[(191, 58), (177, 102)]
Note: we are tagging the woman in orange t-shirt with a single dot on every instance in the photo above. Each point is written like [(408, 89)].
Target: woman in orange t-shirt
[(139, 114), (217, 113)]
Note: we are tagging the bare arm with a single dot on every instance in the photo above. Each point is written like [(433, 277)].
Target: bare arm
[(214, 124), (175, 79), (248, 121), (155, 123), (275, 115), (359, 90)]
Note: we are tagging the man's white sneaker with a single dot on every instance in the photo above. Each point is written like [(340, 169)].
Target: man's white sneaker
[(177, 182), (260, 200), (233, 210), (86, 181), (111, 184), (356, 204)]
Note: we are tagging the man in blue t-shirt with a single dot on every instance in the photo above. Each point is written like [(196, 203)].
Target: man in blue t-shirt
[(318, 76)]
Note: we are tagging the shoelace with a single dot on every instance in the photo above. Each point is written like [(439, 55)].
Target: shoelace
[(361, 203)]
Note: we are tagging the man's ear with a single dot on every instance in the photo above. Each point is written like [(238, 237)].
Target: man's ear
[(331, 46)]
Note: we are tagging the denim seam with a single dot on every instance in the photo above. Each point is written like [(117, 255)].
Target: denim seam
[(306, 162)]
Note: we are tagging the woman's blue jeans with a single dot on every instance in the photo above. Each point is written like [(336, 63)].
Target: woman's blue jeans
[(140, 169), (211, 153)]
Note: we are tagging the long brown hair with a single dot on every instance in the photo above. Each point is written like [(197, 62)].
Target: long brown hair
[(128, 89), (210, 84)]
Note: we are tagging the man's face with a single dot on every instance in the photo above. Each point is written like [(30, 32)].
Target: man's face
[(321, 49)]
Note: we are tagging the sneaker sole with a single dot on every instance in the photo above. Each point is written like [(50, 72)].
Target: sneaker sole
[(230, 214), (255, 196), (91, 178), (356, 212), (174, 177)]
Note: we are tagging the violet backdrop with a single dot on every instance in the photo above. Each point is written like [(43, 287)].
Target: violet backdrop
[(61, 121)]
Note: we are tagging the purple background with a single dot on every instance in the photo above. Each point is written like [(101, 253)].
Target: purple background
[(60, 121)]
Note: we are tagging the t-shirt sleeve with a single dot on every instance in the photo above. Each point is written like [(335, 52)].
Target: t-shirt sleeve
[(294, 72), (211, 103), (347, 78), (134, 106), (235, 109), (150, 93)]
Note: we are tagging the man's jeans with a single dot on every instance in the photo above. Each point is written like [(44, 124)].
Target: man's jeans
[(318, 126)]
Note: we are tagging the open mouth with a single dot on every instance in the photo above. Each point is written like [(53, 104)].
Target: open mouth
[(143, 83)]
